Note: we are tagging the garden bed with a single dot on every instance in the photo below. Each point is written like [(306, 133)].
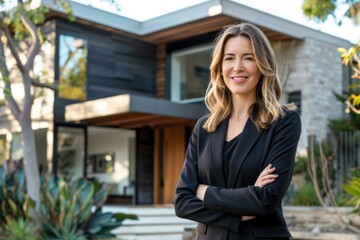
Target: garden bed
[(315, 223)]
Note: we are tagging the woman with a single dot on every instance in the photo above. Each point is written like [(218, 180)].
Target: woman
[(240, 157)]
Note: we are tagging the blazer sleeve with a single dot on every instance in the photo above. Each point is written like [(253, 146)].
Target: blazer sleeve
[(187, 205), (255, 201)]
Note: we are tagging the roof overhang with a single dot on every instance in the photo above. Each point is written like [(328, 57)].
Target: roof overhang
[(132, 111), (207, 16)]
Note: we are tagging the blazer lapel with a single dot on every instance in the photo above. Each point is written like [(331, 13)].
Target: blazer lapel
[(246, 141), (217, 141)]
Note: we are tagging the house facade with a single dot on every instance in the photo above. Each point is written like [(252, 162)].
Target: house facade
[(132, 91)]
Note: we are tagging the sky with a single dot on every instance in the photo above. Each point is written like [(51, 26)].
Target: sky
[(142, 10)]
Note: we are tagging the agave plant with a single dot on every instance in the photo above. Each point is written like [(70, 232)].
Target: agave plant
[(74, 208), (20, 229), (15, 203)]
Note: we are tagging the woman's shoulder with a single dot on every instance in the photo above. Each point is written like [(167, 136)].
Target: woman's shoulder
[(290, 113), (290, 117), (201, 121)]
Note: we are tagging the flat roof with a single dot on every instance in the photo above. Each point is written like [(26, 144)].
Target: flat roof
[(201, 12), (133, 111)]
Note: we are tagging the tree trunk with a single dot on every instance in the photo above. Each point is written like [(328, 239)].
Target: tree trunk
[(31, 164)]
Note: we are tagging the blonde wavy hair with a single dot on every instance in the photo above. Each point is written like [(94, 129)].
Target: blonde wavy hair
[(268, 91)]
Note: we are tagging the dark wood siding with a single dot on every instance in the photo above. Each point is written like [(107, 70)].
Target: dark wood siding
[(144, 166), (115, 64)]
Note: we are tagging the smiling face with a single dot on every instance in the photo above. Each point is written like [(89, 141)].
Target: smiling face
[(239, 69)]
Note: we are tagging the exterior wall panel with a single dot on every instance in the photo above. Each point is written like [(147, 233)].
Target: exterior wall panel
[(115, 64)]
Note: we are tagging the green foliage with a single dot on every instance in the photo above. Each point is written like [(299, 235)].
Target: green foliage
[(14, 202), (305, 196), (300, 164), (318, 10), (340, 125), (72, 210), (36, 16), (69, 210), (353, 188), (354, 12), (351, 58), (21, 229)]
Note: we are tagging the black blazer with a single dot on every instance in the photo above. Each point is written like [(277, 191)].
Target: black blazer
[(219, 215)]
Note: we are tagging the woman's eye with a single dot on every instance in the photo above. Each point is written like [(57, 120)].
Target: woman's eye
[(248, 58), (228, 59)]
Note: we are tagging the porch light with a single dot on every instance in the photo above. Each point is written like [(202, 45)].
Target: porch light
[(108, 157), (215, 10)]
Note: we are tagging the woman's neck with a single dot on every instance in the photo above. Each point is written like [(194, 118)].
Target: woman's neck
[(241, 107)]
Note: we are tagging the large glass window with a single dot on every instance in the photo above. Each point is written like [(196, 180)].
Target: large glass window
[(190, 73), (72, 67), (111, 159), (70, 152)]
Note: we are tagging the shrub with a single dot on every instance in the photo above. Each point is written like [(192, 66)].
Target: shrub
[(353, 189), (305, 196), (69, 210), (21, 229)]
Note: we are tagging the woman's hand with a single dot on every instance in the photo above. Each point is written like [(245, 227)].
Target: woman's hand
[(266, 176), (200, 192), (247, 218)]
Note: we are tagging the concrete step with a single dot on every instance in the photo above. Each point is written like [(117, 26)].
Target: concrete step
[(154, 223)]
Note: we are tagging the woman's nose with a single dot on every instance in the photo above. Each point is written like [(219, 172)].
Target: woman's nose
[(238, 66)]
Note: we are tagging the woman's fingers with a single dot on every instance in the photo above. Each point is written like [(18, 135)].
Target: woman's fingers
[(269, 169), (267, 179), (266, 176), (246, 218)]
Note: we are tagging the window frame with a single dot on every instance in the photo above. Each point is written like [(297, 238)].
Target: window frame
[(175, 89)]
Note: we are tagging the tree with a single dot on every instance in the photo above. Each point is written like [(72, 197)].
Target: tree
[(319, 11), (20, 32)]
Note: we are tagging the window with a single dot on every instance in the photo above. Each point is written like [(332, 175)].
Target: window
[(72, 68), (190, 73), (295, 97), (111, 159), (70, 152)]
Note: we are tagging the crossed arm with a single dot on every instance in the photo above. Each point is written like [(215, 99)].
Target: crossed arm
[(267, 176)]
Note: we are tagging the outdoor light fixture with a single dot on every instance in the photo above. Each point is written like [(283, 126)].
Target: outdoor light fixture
[(215, 10)]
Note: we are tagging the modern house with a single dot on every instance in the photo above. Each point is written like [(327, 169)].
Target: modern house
[(132, 91)]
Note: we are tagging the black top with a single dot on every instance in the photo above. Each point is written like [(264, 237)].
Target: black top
[(228, 153)]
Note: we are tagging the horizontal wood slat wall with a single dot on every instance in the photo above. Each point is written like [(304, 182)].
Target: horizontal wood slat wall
[(116, 64)]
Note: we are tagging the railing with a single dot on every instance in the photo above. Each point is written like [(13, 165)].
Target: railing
[(346, 156)]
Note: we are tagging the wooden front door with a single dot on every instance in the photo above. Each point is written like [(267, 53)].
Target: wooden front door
[(169, 158)]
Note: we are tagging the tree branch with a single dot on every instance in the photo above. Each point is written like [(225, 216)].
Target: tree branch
[(14, 107), (350, 106), (12, 46), (30, 26), (37, 83)]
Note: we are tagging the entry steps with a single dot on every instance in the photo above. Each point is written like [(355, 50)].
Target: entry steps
[(154, 223)]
